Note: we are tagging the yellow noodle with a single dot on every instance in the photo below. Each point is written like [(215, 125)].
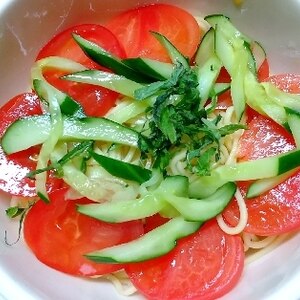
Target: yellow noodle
[(243, 217), (270, 245)]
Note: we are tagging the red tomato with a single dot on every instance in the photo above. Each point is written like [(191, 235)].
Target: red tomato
[(133, 27), (95, 100), (14, 167), (277, 211), (153, 222), (205, 265), (263, 71), (59, 236), (289, 83)]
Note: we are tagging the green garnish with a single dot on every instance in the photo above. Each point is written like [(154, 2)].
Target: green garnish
[(176, 119), (14, 212)]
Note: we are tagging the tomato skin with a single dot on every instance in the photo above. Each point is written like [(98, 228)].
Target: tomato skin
[(14, 167), (96, 101), (59, 236), (133, 27), (205, 265)]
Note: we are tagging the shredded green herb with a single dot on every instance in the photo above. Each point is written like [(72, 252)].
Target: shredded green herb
[(14, 212), (176, 119)]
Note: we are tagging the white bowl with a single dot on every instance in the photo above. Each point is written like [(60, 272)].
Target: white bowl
[(25, 25)]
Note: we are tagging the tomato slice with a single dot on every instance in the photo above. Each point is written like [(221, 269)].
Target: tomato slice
[(205, 265), (277, 211), (95, 100), (59, 236), (15, 167), (133, 27)]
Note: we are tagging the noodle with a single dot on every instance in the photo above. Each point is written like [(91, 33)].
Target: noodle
[(121, 282), (243, 217), (267, 245)]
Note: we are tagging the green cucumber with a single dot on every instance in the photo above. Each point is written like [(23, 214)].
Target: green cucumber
[(245, 171), (263, 185), (157, 242), (207, 76), (68, 105), (204, 209), (208, 66), (116, 83), (220, 20), (219, 88), (281, 98), (35, 130), (123, 211), (174, 53), (153, 68), (258, 99), (237, 82), (106, 59), (206, 48), (293, 119), (148, 205), (259, 54)]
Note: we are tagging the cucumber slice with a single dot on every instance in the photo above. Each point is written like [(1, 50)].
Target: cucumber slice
[(222, 21), (67, 104), (224, 50), (263, 185), (237, 82), (157, 242), (117, 83), (148, 205), (174, 53), (259, 54), (258, 99), (35, 130), (206, 48), (250, 170), (207, 76), (293, 119), (123, 211), (153, 68), (219, 88), (204, 209), (106, 59)]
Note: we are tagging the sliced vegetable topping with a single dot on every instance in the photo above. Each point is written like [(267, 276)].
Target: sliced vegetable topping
[(59, 236), (139, 22), (205, 265)]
